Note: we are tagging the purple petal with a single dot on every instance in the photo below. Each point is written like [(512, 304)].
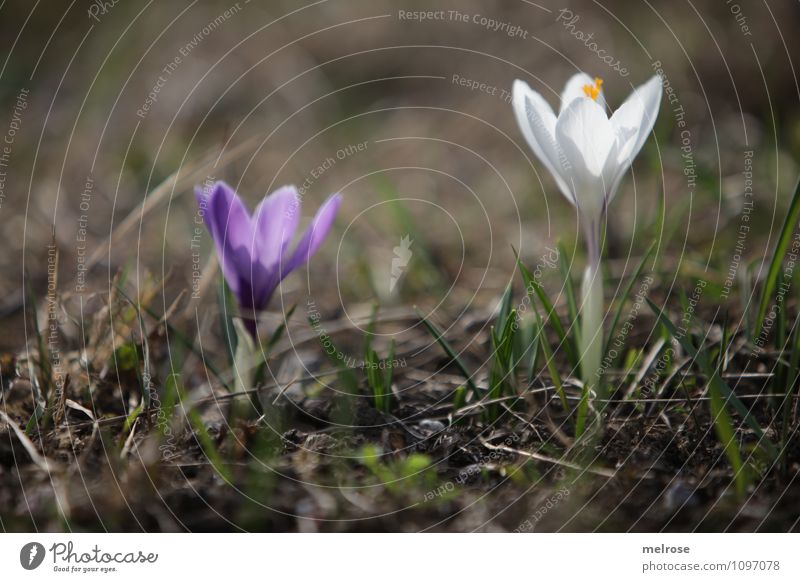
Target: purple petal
[(315, 234), (276, 219), (256, 284), (230, 226)]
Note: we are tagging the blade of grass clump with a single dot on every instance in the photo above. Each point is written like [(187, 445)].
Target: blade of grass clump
[(505, 304), (502, 319), (496, 379), (40, 404), (524, 341), (569, 290), (550, 362), (723, 426), (701, 359), (183, 339), (531, 348), (502, 349), (375, 378), (570, 347), (534, 332), (144, 375), (531, 287), (624, 298), (525, 347), (507, 340), (380, 382), (40, 382), (789, 225), (451, 353)]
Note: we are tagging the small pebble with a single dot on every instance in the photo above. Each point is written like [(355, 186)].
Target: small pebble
[(431, 426)]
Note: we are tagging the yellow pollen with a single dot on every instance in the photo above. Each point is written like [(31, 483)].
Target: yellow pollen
[(592, 91)]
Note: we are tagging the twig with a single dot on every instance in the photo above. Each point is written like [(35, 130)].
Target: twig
[(545, 459)]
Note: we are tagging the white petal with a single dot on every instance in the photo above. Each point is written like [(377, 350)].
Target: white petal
[(639, 112), (633, 122), (587, 140), (574, 89), (585, 127), (537, 121)]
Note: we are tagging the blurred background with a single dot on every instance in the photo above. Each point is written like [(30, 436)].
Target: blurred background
[(113, 111)]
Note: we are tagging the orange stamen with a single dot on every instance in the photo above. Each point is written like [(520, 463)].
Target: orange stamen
[(593, 91)]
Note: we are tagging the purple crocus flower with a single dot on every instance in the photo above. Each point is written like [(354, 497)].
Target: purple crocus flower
[(252, 249)]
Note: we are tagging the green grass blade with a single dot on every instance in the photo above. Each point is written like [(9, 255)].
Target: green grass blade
[(535, 330), (789, 225), (451, 353), (548, 354), (505, 304), (459, 397), (701, 359), (552, 317), (723, 426), (40, 382), (569, 290), (626, 295), (130, 420), (389, 375), (145, 375)]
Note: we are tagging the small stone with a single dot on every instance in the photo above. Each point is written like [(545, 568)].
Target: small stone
[(680, 495), (431, 426)]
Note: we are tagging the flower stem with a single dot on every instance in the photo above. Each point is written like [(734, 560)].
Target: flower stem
[(591, 332), (245, 358)]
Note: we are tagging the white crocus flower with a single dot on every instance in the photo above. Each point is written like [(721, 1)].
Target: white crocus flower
[(588, 153)]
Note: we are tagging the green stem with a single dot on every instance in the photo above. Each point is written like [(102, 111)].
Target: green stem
[(244, 359), (591, 332)]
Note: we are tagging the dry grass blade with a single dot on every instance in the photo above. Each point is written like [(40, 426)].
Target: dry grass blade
[(191, 175), (608, 474), (80, 408), (39, 460)]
